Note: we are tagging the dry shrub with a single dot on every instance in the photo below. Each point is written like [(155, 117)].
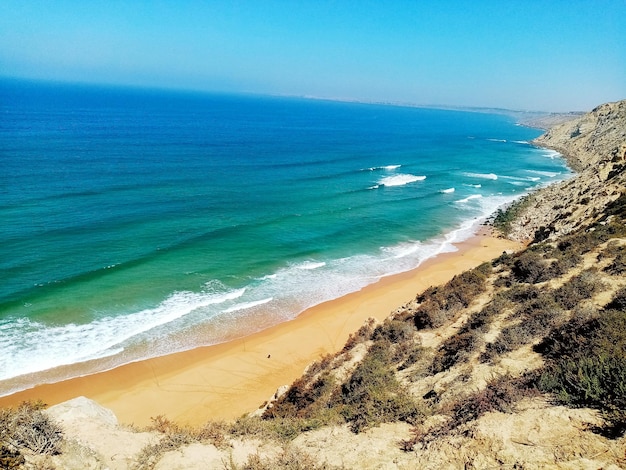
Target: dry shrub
[(530, 267), (362, 334), (440, 304), (619, 301), (501, 394), (394, 331), (300, 398), (454, 350), (373, 395), (10, 459), (28, 427), (289, 459), (580, 287), (175, 436), (281, 430), (586, 363), (618, 265)]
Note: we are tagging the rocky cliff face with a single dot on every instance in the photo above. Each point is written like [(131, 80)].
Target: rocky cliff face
[(594, 146)]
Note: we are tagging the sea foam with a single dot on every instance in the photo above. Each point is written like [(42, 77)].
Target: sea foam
[(247, 305), (385, 167), (400, 180), (487, 176), (34, 346), (469, 198)]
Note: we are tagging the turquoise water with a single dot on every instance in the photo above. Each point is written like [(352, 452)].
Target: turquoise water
[(137, 222)]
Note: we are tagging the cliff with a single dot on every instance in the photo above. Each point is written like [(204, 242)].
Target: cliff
[(519, 363), (594, 146)]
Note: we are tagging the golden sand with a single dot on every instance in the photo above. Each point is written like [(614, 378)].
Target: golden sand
[(231, 379)]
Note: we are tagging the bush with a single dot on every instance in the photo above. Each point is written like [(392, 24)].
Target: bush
[(174, 436), (454, 350), (28, 427), (500, 394), (535, 316), (10, 459), (530, 267), (394, 331), (586, 365), (299, 398), (289, 459), (362, 334), (440, 304), (578, 288), (618, 265), (372, 395), (619, 300), (504, 218)]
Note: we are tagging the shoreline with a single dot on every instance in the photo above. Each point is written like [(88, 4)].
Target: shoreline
[(230, 379)]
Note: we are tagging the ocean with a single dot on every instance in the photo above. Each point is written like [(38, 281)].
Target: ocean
[(136, 223)]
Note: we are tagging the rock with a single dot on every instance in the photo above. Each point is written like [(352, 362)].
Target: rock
[(94, 439), (77, 410)]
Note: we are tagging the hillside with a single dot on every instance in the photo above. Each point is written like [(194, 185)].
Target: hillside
[(595, 146), (519, 363)]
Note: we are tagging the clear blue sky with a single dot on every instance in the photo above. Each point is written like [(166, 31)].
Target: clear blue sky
[(530, 54)]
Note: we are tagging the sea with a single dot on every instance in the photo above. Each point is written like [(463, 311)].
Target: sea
[(137, 222)]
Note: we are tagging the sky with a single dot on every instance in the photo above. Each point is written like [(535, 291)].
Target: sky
[(547, 55)]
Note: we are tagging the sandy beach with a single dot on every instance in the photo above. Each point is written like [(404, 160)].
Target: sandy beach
[(231, 379)]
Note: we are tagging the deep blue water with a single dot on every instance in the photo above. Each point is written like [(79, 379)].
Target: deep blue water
[(140, 222)]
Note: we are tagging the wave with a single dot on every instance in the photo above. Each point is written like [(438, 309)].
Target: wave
[(551, 154), (521, 178), (523, 142), (247, 305), (474, 185), (549, 174), (34, 347), (469, 198), (308, 265), (447, 191), (400, 180), (496, 140), (386, 167), (487, 176)]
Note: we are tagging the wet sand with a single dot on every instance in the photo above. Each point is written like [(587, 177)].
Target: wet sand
[(228, 380)]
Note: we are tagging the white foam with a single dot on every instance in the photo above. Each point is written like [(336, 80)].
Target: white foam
[(524, 142), (308, 265), (469, 198), (549, 174), (385, 167), (34, 347), (551, 154), (447, 191), (474, 185), (400, 180), (402, 250), (497, 140), (247, 305), (487, 176)]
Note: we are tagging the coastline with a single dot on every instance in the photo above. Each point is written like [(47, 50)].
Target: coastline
[(227, 380)]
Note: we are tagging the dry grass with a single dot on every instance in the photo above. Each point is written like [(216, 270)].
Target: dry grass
[(174, 436), (290, 458), (27, 427)]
